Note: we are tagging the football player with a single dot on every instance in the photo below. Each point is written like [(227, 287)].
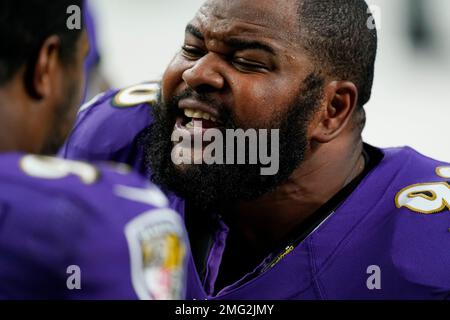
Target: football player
[(70, 230), (341, 219)]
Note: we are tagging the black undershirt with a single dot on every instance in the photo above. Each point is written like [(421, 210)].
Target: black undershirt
[(239, 258)]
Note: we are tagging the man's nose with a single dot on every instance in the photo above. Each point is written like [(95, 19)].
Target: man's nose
[(205, 73)]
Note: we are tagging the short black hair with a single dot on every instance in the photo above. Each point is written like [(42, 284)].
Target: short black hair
[(341, 37), (26, 24)]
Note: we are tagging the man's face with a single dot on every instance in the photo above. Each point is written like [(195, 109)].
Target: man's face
[(241, 64), (68, 98), (245, 55)]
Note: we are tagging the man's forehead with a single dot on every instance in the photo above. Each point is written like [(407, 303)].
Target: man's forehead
[(275, 19)]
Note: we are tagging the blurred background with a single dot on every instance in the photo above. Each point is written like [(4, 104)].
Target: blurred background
[(410, 103)]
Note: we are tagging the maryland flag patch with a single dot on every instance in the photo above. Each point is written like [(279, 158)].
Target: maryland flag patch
[(158, 248)]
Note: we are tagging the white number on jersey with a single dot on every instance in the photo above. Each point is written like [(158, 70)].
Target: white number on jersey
[(427, 198), (138, 94), (55, 168)]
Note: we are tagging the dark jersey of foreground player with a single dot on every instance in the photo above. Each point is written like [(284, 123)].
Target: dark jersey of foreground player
[(71, 230), (388, 239)]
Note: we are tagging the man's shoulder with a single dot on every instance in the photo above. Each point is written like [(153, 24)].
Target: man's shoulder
[(422, 182), (53, 211), (407, 165), (420, 220), (35, 181), (401, 179), (111, 122)]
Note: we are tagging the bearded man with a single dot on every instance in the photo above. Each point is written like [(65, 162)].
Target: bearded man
[(339, 219)]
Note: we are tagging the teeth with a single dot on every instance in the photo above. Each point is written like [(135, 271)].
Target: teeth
[(189, 113), (198, 115)]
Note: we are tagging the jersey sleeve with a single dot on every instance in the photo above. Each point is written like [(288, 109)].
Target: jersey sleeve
[(107, 128), (421, 233)]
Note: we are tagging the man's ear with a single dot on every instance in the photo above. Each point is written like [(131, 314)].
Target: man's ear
[(45, 68), (340, 99)]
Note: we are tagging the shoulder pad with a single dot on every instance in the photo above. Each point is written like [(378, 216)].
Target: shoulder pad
[(75, 179), (111, 122), (421, 221)]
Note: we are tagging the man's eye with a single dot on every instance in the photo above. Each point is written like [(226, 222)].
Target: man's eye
[(191, 52), (246, 65)]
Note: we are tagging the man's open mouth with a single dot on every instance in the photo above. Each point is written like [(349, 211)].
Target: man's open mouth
[(194, 113), (200, 118)]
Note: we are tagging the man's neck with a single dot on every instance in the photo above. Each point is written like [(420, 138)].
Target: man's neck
[(16, 132), (323, 174)]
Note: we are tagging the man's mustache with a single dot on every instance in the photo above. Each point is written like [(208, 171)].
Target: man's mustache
[(201, 97)]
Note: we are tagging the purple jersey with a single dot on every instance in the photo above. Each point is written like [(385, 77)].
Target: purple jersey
[(390, 239), (130, 108), (72, 230)]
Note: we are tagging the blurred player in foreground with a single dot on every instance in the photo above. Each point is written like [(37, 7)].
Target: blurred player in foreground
[(340, 219), (70, 230)]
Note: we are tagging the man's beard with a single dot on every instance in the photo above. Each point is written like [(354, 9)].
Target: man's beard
[(208, 186)]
